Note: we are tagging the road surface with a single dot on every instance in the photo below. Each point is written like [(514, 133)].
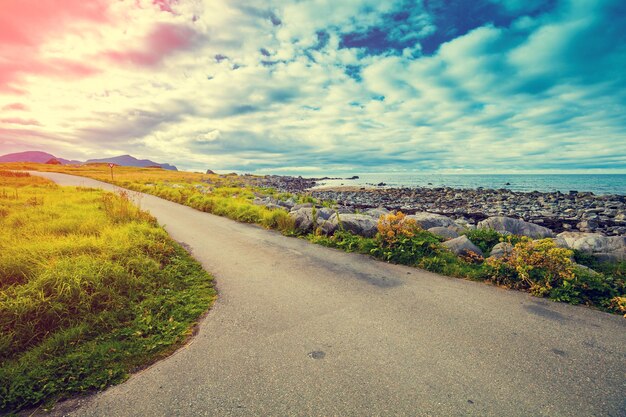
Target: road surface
[(299, 329)]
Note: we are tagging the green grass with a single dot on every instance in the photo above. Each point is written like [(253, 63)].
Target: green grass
[(91, 288), (227, 196)]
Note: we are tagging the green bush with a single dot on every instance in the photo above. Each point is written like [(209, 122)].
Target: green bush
[(485, 239), (535, 265), (588, 287), (409, 250)]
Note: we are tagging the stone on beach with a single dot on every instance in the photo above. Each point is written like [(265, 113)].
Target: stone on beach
[(359, 224), (330, 226), (588, 225), (444, 232), (513, 226), (377, 212), (605, 248), (273, 203), (302, 205), (308, 218), (428, 220), (324, 213), (462, 246), (304, 219)]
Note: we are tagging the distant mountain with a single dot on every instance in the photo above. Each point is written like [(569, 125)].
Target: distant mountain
[(131, 161), (31, 156), (34, 156), (44, 157)]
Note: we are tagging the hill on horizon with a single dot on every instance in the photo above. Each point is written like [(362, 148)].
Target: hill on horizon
[(43, 157), (34, 156), (131, 161)]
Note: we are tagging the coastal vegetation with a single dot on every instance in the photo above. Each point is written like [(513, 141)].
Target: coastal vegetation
[(537, 266), (91, 289)]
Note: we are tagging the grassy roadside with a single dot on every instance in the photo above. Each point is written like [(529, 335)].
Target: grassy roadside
[(91, 288), (537, 267), (227, 196)]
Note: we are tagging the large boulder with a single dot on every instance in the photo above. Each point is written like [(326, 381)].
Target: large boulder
[(377, 212), (324, 213), (508, 225), (308, 218), (304, 219), (330, 226), (359, 224), (302, 205), (462, 246), (605, 248), (269, 202), (444, 232), (287, 204), (428, 220)]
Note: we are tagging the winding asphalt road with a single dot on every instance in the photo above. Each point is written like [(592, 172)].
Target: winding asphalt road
[(299, 329)]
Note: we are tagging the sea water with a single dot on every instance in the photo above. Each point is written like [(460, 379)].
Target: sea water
[(595, 183)]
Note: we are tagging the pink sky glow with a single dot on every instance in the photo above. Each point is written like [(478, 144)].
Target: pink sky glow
[(59, 58)]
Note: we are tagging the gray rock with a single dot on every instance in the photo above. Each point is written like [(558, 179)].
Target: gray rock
[(359, 224), (588, 225), (304, 219), (377, 212), (303, 205), (444, 232), (288, 204), (274, 206), (560, 242), (462, 246), (345, 210), (324, 213), (605, 248), (512, 226), (330, 226), (500, 250), (269, 202), (428, 220)]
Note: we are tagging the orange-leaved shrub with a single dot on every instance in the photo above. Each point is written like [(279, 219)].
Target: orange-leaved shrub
[(618, 304), (403, 241), (535, 265), (393, 227)]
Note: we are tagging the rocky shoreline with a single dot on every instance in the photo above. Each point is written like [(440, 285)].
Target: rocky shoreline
[(560, 212), (576, 220), (575, 211)]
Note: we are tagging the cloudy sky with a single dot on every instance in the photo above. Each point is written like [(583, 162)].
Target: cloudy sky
[(319, 86)]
